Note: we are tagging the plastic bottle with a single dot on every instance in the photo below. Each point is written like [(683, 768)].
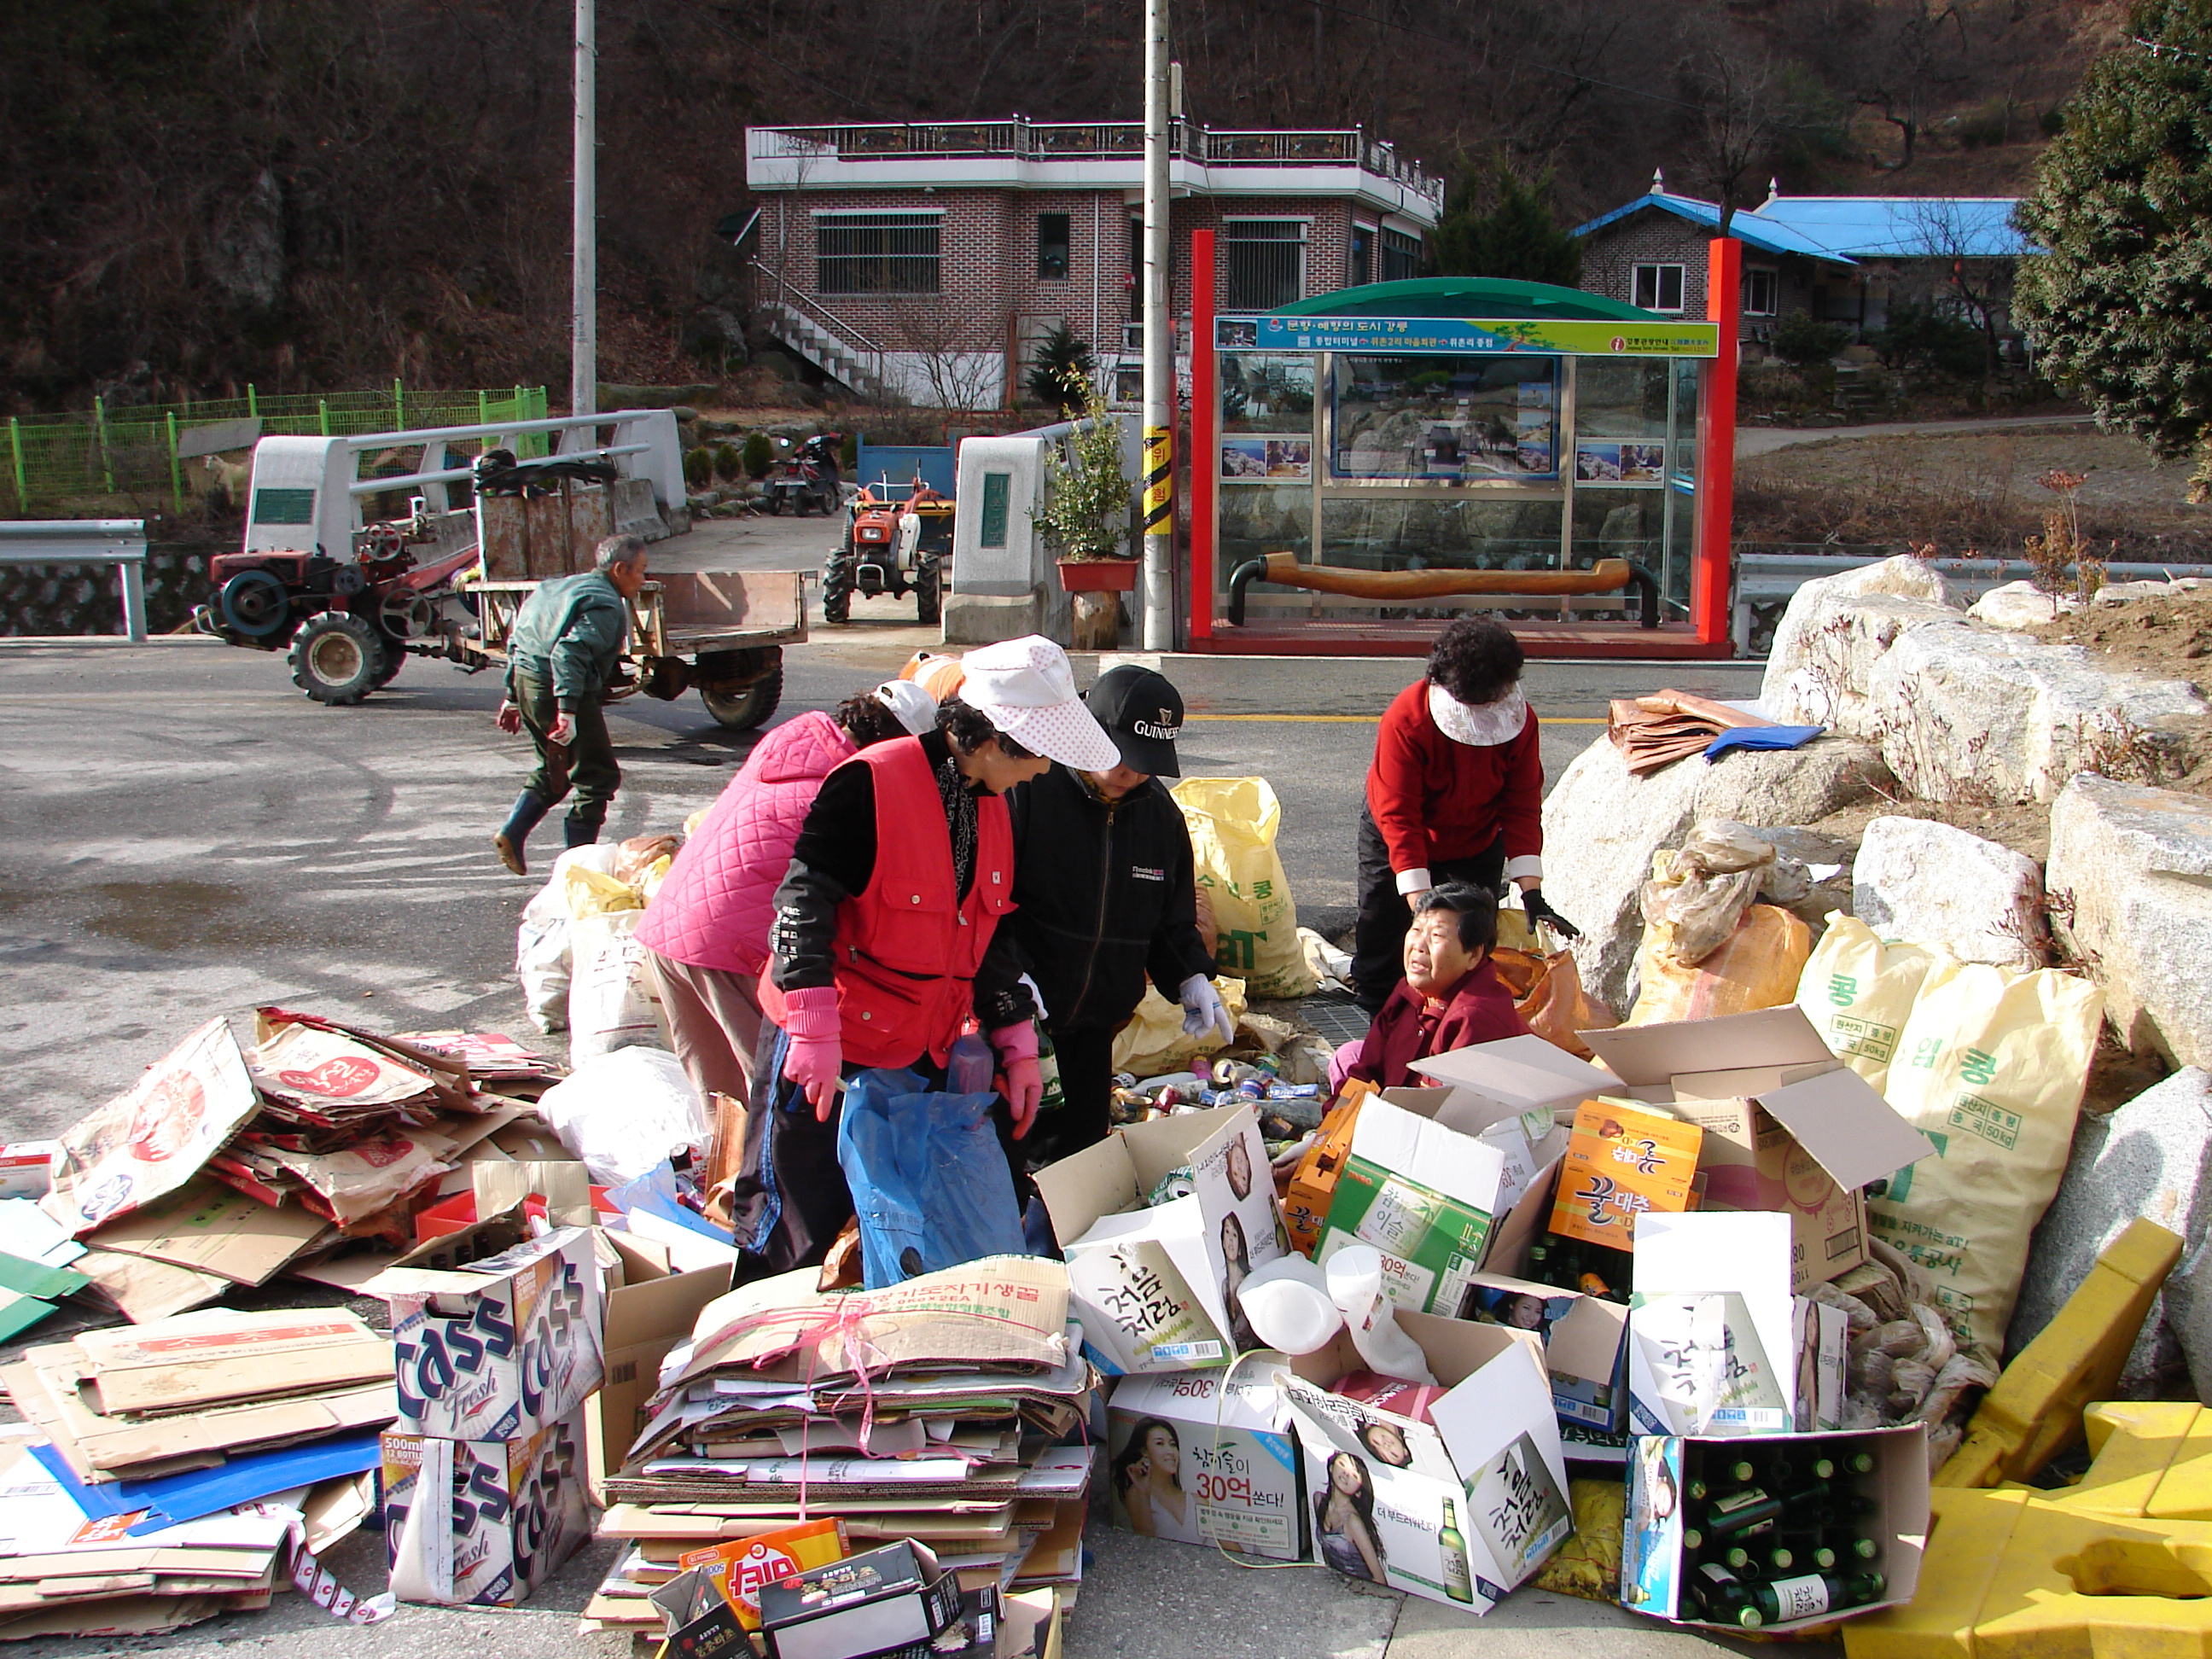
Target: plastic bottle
[(968, 1069)]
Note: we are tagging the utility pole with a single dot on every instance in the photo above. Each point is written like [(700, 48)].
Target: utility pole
[(584, 311), (1158, 467)]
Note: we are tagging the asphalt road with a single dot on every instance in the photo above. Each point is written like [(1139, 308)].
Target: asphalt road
[(182, 833)]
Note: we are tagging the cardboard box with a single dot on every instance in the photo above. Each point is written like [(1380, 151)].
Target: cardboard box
[(1156, 1289), (648, 1312), (877, 1603), (501, 1347), (1652, 1564), (710, 1605), (1493, 1454), (1788, 1126), (1585, 1341), (1711, 1342), (1425, 1195), (27, 1168), (1514, 1077), (1313, 1183), (483, 1523), (1237, 1462), (1622, 1163)]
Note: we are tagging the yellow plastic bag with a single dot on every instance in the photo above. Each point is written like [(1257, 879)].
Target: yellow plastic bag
[(1991, 1067), (589, 893), (1756, 967), (1232, 839), (1154, 1040), (1858, 991), (1588, 1563)]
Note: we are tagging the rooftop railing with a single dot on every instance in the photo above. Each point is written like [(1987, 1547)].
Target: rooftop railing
[(1087, 140)]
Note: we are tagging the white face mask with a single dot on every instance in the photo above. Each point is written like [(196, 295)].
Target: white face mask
[(1478, 725)]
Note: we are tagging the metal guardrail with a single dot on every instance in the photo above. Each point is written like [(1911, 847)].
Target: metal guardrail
[(118, 542), (1766, 578)]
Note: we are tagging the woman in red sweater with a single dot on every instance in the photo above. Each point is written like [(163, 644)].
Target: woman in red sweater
[(1455, 794), (1451, 998)]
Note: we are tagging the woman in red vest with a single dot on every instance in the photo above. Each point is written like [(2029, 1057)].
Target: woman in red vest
[(886, 935)]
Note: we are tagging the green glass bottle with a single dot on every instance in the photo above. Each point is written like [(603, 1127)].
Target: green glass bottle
[(1809, 1548), (1458, 1575), (1741, 1511), (1720, 1594), (1859, 1548), (1859, 1463), (1813, 1594), (1776, 1557)]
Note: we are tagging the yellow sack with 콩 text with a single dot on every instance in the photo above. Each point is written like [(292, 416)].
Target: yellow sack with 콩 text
[(1858, 991), (1232, 823), (1991, 1067)]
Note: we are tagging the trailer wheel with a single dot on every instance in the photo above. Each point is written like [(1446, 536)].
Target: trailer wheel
[(929, 586), (336, 659), (741, 711)]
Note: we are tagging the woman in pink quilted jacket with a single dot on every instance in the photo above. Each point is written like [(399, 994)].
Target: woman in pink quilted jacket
[(706, 931)]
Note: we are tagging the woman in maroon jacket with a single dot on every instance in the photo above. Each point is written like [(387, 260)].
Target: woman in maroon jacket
[(1455, 794), (1451, 996)]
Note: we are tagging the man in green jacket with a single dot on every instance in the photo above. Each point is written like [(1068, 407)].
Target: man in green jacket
[(569, 638)]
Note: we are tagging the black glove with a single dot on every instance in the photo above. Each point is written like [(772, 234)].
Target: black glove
[(1532, 903)]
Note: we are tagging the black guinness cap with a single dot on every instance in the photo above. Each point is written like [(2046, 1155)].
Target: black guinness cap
[(1142, 713)]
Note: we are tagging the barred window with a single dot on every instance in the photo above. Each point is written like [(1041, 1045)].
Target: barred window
[(1266, 263), (1401, 255), (877, 253)]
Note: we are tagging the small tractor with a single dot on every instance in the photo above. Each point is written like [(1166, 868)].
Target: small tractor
[(896, 544)]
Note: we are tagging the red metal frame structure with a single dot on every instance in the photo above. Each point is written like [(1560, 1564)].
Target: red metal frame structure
[(1710, 576), (1712, 569), (1205, 410)]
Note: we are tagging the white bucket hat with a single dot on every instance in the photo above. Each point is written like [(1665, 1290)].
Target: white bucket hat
[(913, 708), (1025, 688)]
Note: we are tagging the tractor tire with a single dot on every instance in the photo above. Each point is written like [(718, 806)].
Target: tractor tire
[(929, 591), (748, 708), (336, 658), (395, 657), (776, 504), (837, 585)]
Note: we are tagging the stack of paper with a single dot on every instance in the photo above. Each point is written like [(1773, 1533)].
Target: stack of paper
[(190, 1393), (1667, 727), (937, 1410), (224, 1166)]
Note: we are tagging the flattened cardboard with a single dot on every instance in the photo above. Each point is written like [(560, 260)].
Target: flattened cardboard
[(224, 1356), (213, 1229), (145, 1291), (1652, 1566), (27, 1168)]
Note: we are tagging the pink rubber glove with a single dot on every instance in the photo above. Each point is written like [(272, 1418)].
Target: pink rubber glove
[(815, 1055), (1017, 1059)]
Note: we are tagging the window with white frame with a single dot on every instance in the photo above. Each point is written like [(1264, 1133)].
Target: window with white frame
[(1762, 292), (1401, 255), (1265, 261), (1658, 288), (877, 253)]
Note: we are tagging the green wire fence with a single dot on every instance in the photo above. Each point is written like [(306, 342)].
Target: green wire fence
[(52, 461)]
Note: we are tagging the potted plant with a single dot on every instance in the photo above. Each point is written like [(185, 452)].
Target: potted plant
[(1086, 511)]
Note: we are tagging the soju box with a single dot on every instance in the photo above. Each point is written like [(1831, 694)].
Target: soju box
[(1425, 1195), (1787, 1126), (1459, 1509), (1620, 1164), (1193, 1467), (1654, 1567), (1584, 1343)]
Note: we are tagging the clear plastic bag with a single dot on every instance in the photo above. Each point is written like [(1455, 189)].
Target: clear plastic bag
[(1699, 891), (931, 1185), (626, 1112)]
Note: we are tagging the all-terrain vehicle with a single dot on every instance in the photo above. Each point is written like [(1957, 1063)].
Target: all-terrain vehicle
[(805, 480), (897, 540)]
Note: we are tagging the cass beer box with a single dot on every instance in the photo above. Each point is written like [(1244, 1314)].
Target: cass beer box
[(1186, 1465), (501, 1347), (482, 1522), (1460, 1509)]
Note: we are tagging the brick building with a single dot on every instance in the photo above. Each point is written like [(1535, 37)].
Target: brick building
[(925, 261), (1839, 258)]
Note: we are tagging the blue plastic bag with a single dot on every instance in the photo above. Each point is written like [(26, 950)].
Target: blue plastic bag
[(930, 1182)]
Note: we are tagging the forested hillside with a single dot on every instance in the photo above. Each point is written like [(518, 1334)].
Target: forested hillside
[(316, 193)]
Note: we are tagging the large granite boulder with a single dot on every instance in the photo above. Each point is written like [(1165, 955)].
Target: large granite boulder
[(1929, 883)]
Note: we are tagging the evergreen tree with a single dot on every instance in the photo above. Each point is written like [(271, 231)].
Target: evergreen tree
[(1062, 368), (2120, 302), (1496, 224)]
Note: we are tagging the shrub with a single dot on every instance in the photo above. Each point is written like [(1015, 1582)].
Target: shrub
[(758, 454), (699, 467), (1063, 366), (1800, 340), (726, 461), (1920, 338)]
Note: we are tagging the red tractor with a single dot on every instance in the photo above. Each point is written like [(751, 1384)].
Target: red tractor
[(895, 545)]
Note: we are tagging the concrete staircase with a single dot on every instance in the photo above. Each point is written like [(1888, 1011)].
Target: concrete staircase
[(840, 359)]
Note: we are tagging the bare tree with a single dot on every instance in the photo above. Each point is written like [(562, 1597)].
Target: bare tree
[(1912, 63), (959, 352), (1733, 144), (1980, 286)]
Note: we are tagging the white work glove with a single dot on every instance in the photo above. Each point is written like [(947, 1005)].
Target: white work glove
[(1202, 1008)]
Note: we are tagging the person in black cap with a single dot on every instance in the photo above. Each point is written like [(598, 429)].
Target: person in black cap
[(1103, 884)]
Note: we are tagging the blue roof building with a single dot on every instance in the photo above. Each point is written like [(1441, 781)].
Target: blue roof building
[(1841, 258)]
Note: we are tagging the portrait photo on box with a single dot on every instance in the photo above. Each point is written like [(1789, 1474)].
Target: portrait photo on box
[(1374, 1517), (1186, 1465), (1237, 1195)]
